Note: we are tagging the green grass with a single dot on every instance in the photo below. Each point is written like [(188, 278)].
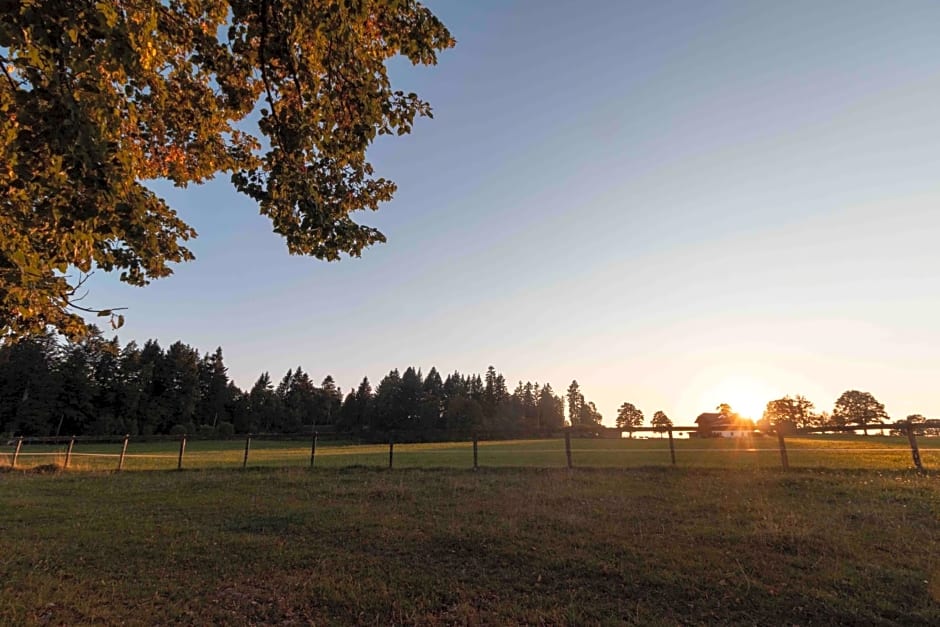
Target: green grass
[(827, 451), (498, 546)]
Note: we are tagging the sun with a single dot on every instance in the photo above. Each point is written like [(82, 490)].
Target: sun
[(747, 395)]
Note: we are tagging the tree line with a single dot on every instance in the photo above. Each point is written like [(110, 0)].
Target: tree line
[(96, 386), (853, 408)]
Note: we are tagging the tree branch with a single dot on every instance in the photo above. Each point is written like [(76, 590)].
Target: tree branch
[(3, 63), (262, 59)]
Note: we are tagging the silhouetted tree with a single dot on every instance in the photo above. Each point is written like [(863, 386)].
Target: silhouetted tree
[(858, 408), (551, 409), (628, 416), (432, 401), (388, 407), (789, 413), (661, 422), (575, 403)]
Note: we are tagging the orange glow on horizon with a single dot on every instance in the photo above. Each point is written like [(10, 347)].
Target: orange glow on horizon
[(747, 395)]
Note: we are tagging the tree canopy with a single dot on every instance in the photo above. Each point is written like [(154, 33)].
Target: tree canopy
[(858, 408), (629, 416), (661, 421), (100, 96), (790, 412)]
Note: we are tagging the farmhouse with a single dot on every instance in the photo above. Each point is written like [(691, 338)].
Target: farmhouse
[(714, 424)]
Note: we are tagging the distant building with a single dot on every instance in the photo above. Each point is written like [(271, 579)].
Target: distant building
[(717, 425)]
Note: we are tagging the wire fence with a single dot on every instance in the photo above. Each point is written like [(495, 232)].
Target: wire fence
[(835, 447)]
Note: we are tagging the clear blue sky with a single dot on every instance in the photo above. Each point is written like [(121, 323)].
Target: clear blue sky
[(676, 203)]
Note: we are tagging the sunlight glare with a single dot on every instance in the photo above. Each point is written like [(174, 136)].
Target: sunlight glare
[(747, 395)]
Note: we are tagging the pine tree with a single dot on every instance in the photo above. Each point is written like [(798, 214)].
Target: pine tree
[(156, 382), (75, 402), (29, 386), (410, 397), (432, 401), (183, 393), (106, 373), (551, 409), (301, 406), (365, 403), (388, 410), (329, 399), (575, 403), (214, 386), (133, 383), (262, 402)]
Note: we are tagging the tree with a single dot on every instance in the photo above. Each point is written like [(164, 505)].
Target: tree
[(216, 394), (661, 422), (462, 412), (181, 391), (914, 420), (262, 404), (790, 413), (551, 409), (75, 404), (364, 402), (575, 403), (327, 402), (495, 394), (589, 413), (410, 394), (858, 408), (628, 416), (98, 97), (432, 401), (387, 402), (29, 386)]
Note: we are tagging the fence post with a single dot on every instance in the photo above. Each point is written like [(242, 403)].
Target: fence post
[(475, 439), (68, 452), (16, 453), (783, 448), (568, 447), (391, 449), (915, 452), (247, 448), (123, 452), (672, 448), (313, 448), (179, 464)]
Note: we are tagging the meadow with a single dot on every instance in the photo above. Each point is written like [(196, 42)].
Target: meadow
[(820, 451), (513, 545)]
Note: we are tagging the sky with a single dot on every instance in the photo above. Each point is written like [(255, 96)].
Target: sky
[(676, 203)]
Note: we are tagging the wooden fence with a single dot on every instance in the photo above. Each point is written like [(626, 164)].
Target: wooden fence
[(405, 436)]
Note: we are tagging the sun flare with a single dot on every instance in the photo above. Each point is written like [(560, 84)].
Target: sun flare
[(748, 396)]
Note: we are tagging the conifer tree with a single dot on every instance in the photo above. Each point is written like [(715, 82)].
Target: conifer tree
[(388, 408), (575, 403), (432, 401), (262, 407), (215, 393)]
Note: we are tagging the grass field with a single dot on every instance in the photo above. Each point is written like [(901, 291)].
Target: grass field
[(829, 451), (497, 546)]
